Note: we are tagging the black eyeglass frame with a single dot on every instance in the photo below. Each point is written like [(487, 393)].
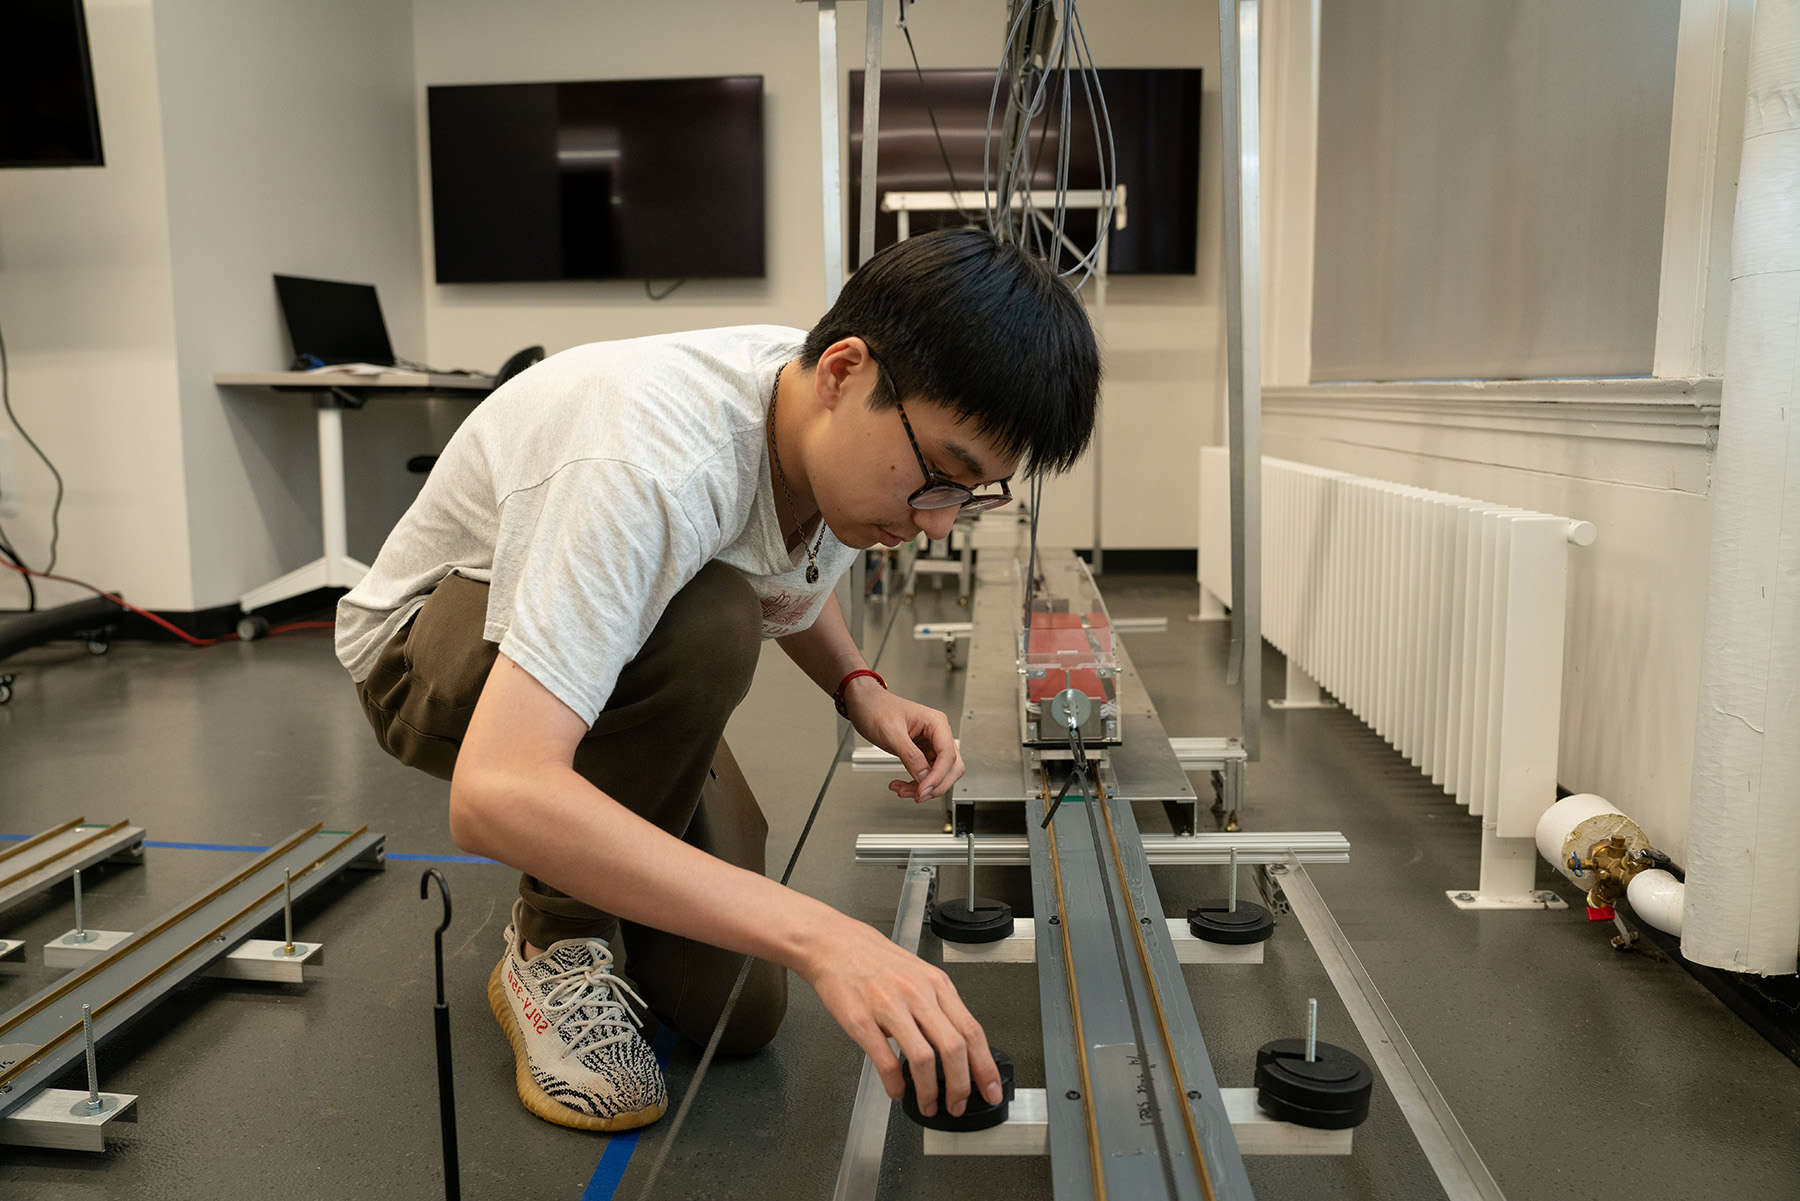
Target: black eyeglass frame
[(938, 491)]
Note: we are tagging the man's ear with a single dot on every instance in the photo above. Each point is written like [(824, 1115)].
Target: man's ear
[(842, 361)]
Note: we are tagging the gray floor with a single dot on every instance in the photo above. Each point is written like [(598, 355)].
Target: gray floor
[(1578, 1071)]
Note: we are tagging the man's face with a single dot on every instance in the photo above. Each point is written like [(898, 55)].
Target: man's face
[(867, 469)]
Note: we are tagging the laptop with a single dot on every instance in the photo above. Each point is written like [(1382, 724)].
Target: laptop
[(333, 322)]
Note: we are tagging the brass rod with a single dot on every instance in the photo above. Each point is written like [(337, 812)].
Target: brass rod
[(1162, 1022), (1096, 1164), (35, 839), (65, 852)]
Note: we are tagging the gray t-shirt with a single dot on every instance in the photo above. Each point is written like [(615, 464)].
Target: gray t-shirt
[(590, 490)]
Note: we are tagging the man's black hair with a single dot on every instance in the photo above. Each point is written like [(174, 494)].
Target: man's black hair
[(984, 328)]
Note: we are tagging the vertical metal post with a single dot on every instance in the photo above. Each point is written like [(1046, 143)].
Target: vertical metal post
[(1099, 321), (871, 126), (81, 932), (1312, 1029), (1231, 901), (1243, 351), (830, 152), (94, 1104), (871, 130)]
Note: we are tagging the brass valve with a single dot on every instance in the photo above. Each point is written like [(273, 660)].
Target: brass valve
[(1612, 864)]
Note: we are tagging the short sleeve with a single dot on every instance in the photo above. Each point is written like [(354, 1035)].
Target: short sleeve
[(589, 560)]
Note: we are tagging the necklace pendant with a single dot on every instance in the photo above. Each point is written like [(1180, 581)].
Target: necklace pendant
[(812, 573)]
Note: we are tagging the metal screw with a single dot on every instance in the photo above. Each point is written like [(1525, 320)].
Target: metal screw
[(1193, 1094), (1073, 1095), (94, 1103), (287, 909), (1144, 921), (81, 931), (1465, 896), (1312, 1029), (1231, 905), (1055, 921)]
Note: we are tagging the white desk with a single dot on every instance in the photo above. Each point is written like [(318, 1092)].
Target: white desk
[(333, 392)]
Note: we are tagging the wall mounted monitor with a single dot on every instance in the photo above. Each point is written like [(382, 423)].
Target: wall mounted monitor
[(48, 117), (1155, 116), (613, 179)]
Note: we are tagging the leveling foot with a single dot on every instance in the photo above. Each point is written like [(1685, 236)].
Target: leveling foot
[(987, 920), (1216, 921), (976, 1115), (1329, 1092)]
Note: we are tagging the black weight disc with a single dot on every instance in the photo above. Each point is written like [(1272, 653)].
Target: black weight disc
[(990, 921), (1215, 922), (1331, 1092), (976, 1115)]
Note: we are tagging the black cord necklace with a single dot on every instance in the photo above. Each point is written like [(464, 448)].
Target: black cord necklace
[(812, 552)]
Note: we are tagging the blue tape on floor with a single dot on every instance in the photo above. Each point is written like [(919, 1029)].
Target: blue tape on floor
[(617, 1156), (203, 846), (228, 846)]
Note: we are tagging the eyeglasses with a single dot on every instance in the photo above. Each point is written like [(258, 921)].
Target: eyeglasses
[(939, 492)]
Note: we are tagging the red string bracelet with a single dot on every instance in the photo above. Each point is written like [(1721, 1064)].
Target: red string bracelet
[(837, 698)]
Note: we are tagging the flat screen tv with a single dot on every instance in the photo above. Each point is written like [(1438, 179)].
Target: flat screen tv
[(48, 117), (1155, 117), (614, 179)]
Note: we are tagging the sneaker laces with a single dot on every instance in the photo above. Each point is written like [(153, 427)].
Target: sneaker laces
[(600, 1015)]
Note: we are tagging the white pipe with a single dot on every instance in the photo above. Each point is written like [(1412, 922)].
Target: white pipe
[(1656, 897), (1744, 817)]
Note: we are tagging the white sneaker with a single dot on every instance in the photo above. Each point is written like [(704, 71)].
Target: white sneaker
[(579, 1057)]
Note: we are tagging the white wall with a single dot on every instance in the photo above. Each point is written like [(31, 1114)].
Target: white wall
[(289, 147), (86, 308), (1161, 393)]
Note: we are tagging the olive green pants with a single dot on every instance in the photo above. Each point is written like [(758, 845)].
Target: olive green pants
[(657, 748)]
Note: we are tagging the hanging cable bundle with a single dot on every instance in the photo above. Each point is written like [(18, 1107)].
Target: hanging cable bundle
[(1045, 59)]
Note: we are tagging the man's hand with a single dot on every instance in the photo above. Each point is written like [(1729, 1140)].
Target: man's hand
[(876, 990), (919, 735)]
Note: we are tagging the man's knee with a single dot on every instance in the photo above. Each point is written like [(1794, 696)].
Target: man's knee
[(759, 1011)]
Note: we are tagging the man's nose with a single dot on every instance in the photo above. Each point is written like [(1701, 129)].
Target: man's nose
[(936, 522)]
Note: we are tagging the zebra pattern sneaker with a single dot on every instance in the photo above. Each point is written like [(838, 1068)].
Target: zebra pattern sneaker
[(579, 1058)]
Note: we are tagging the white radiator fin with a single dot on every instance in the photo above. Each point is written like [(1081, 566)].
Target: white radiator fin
[(1435, 619)]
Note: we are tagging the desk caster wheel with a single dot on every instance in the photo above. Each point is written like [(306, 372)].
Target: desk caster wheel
[(250, 627)]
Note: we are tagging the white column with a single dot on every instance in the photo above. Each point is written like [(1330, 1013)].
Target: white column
[(1743, 882)]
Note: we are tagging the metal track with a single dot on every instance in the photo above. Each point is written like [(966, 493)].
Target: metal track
[(43, 1036), (1129, 1083), (45, 860)]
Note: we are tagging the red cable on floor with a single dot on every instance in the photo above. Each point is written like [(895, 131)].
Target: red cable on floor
[(165, 624)]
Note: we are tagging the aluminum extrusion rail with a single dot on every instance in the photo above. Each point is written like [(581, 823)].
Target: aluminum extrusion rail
[(1126, 1069), (1447, 1147), (45, 1032), (47, 859), (859, 1173), (1161, 850)]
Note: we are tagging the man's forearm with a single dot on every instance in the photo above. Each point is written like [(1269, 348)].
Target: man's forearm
[(825, 651), (554, 825)]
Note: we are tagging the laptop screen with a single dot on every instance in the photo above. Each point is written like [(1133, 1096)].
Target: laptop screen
[(333, 322)]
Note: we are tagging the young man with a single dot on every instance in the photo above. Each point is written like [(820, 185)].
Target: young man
[(568, 614)]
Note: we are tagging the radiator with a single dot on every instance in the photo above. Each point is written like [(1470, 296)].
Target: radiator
[(1436, 619)]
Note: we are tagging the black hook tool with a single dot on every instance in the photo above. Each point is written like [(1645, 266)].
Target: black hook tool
[(441, 1012)]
